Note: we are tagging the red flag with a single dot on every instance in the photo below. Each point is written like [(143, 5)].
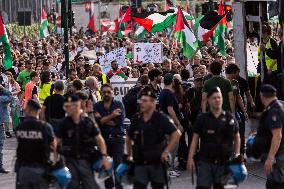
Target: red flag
[(92, 25), (221, 11), (179, 21), (127, 16)]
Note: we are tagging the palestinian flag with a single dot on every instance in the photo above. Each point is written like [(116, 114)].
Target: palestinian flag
[(140, 32), (92, 25), (43, 30), (207, 25), (219, 36), (127, 16), (124, 27), (7, 55), (108, 26), (155, 22), (185, 35)]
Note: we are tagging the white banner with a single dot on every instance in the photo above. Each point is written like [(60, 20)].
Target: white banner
[(117, 54), (252, 59), (121, 86), (147, 53)]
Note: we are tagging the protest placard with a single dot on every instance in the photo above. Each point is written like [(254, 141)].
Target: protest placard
[(117, 54), (121, 86), (147, 53), (252, 59)]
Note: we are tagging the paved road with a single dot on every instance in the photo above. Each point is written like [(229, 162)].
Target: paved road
[(183, 182)]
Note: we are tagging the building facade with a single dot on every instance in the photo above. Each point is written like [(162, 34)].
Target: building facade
[(10, 9)]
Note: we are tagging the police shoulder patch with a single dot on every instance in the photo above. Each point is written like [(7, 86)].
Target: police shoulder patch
[(274, 117), (232, 122)]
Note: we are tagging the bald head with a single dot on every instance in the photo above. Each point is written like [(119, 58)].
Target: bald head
[(91, 82)]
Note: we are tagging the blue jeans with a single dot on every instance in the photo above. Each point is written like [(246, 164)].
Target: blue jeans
[(115, 150), (2, 138)]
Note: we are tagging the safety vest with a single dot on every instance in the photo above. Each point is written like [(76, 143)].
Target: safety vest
[(44, 92), (99, 96), (28, 92), (104, 78), (268, 60)]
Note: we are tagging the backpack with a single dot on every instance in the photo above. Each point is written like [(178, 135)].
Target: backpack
[(130, 101)]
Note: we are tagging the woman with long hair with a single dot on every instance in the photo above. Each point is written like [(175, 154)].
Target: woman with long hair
[(184, 109)]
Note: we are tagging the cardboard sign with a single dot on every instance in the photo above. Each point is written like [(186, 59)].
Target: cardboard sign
[(147, 53), (121, 86), (117, 54)]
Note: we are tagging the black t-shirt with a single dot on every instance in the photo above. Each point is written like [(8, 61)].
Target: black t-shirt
[(168, 98), (54, 107), (243, 86), (156, 91)]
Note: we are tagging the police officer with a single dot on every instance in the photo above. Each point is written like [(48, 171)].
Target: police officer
[(78, 136), (219, 140), (269, 137), (150, 149), (35, 142)]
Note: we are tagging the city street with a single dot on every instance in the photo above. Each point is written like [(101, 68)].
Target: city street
[(254, 181)]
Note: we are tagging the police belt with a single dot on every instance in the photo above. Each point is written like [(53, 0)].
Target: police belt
[(115, 136), (141, 163), (67, 152), (214, 161)]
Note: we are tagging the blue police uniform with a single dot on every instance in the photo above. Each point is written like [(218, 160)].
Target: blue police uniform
[(114, 136), (272, 118), (149, 143), (216, 147), (33, 152), (78, 142)]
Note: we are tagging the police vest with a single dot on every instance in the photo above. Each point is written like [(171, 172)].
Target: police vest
[(33, 146), (216, 141), (149, 142), (44, 92), (78, 140), (264, 136), (268, 60)]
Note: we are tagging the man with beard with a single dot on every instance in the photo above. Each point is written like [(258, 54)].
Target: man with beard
[(115, 70), (109, 114)]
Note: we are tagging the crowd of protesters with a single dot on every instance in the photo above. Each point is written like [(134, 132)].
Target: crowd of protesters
[(38, 72)]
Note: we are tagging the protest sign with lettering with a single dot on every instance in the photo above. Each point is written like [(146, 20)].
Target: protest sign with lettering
[(117, 54), (121, 86), (252, 59), (147, 53)]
